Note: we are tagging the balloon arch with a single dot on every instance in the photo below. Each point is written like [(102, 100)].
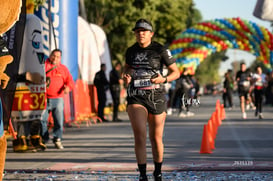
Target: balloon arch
[(193, 45)]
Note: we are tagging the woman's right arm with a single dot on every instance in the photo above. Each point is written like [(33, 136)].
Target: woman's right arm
[(127, 75)]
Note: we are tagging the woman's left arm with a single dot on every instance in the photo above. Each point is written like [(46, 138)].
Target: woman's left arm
[(173, 74)]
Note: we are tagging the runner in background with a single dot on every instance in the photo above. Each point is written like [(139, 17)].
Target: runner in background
[(259, 88), (243, 82), (250, 98)]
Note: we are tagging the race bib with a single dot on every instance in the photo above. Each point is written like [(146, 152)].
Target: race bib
[(142, 83), (142, 77), (246, 83)]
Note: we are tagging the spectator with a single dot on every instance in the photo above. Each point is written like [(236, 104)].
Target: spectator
[(267, 90), (196, 87), (228, 90), (59, 82), (186, 86), (115, 82), (173, 97), (270, 88), (102, 86)]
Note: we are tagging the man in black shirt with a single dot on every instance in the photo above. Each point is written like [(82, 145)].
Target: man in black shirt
[(115, 82), (102, 86), (228, 89)]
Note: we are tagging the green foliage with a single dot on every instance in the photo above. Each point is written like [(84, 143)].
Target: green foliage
[(207, 71), (118, 17), (259, 63)]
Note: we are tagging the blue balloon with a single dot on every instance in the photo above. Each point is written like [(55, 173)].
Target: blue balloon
[(258, 30), (227, 35), (271, 58), (234, 43)]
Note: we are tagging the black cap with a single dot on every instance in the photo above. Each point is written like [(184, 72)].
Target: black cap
[(143, 23)]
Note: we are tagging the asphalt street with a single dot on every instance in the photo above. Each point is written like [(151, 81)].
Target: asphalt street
[(105, 151)]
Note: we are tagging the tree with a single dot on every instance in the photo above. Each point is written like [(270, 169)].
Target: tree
[(207, 71), (117, 18), (259, 63)]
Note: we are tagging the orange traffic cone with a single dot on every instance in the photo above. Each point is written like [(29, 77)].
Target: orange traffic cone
[(218, 116), (212, 135), (218, 105), (223, 112), (205, 145), (215, 123)]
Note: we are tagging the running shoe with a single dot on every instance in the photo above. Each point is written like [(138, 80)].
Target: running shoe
[(244, 115), (58, 144)]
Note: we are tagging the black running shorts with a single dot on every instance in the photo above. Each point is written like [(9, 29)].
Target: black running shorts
[(153, 100), (243, 92)]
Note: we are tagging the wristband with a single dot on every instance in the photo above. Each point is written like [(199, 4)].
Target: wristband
[(166, 80)]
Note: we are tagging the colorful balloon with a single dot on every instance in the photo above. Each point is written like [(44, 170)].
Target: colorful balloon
[(193, 45)]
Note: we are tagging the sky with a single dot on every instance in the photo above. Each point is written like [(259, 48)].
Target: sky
[(212, 9)]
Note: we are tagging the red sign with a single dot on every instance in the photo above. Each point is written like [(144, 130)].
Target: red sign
[(28, 101)]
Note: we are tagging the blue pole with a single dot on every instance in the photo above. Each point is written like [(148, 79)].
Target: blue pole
[(69, 35)]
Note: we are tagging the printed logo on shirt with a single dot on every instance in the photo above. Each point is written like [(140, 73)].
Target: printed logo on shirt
[(141, 56)]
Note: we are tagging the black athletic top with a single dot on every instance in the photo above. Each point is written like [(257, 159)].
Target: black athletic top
[(146, 62), (243, 77)]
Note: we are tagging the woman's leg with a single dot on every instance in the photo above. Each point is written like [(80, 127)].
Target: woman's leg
[(229, 96), (260, 100), (242, 103), (156, 128), (58, 117), (138, 116), (256, 94)]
